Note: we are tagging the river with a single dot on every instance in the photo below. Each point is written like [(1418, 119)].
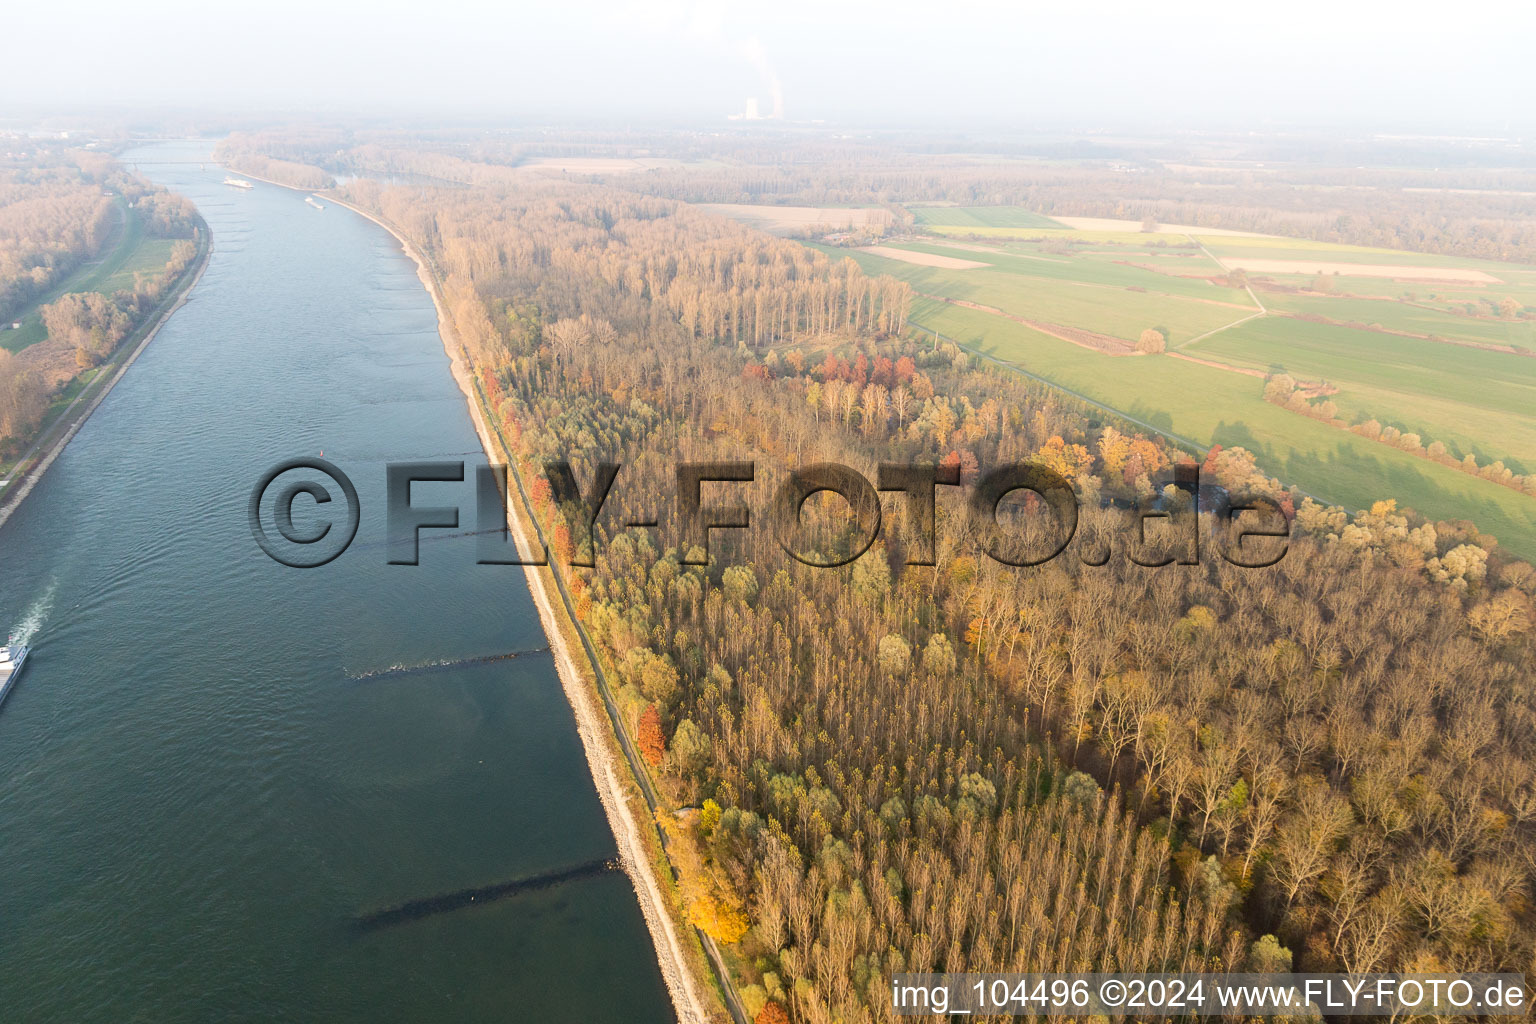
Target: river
[(216, 771)]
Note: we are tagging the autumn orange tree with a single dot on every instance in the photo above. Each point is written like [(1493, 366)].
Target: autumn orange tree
[(653, 745)]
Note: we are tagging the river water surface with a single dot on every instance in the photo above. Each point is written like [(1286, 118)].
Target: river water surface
[(211, 777)]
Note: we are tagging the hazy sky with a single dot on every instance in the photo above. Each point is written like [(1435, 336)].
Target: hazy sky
[(1439, 67)]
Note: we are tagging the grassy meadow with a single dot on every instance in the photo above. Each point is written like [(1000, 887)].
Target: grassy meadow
[(1473, 399), (1103, 297), (1409, 317)]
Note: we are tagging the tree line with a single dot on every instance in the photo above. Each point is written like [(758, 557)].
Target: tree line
[(1437, 203)]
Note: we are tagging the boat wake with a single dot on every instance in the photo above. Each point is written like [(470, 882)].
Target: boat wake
[(34, 617), (441, 666)]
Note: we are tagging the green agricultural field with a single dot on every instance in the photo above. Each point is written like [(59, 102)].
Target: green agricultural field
[(1078, 294), (1172, 251), (1181, 259), (982, 216), (1466, 300), (1277, 248), (1473, 400), (1520, 287), (1409, 318), (1131, 238), (1489, 434), (1113, 271), (1205, 405)]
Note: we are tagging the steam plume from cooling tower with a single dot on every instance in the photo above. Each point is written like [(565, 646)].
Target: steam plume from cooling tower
[(753, 49)]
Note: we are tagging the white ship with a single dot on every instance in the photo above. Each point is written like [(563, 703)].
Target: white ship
[(238, 183), (12, 657), (312, 201)]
